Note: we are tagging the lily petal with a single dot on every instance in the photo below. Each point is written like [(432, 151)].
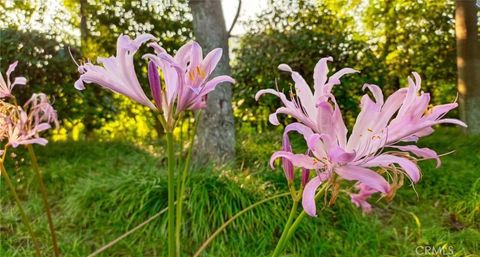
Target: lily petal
[(308, 197), (365, 176)]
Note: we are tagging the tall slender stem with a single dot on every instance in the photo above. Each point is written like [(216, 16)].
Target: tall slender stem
[(294, 227), (171, 195), (181, 186), (24, 217), (281, 242), (43, 192)]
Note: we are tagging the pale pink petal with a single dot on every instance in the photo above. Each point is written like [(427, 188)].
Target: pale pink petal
[(11, 68), (210, 85), (19, 81), (308, 197), (196, 55), (335, 79), (284, 67), (365, 176), (318, 144), (211, 60), (280, 95), (420, 152), (300, 128), (298, 160), (118, 72), (377, 93), (386, 160), (303, 91), (338, 155), (182, 57), (361, 133), (325, 120), (360, 199), (320, 73)]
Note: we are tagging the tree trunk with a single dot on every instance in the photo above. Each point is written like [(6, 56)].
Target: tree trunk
[(216, 131), (83, 21), (468, 64)]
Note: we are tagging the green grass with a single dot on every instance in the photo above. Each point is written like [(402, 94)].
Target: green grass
[(99, 190)]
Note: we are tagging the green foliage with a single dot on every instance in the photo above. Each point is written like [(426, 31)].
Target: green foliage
[(47, 66), (106, 20), (298, 38), (39, 35), (384, 40), (100, 24), (52, 19), (415, 36), (100, 190)]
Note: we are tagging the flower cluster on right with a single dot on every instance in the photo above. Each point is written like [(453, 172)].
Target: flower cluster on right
[(379, 152)]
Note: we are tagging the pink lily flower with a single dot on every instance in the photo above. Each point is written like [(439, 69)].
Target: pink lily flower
[(22, 125), (403, 117), (23, 129), (117, 73), (18, 134), (190, 71), (6, 85), (185, 76), (303, 105), (41, 110), (360, 199)]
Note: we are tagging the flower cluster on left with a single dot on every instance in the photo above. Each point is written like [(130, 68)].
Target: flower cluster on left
[(185, 76), (23, 125), (178, 83)]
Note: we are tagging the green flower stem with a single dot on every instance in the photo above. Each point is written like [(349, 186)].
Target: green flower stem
[(181, 186), (224, 225), (43, 192), (24, 217), (294, 226), (171, 195), (281, 242)]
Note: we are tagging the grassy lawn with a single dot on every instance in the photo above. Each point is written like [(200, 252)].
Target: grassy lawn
[(99, 190)]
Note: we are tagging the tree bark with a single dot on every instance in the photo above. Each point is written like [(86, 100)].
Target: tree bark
[(216, 131), (83, 21), (468, 64)]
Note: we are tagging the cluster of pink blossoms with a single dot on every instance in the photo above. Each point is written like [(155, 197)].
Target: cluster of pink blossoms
[(379, 151), (185, 75), (21, 125)]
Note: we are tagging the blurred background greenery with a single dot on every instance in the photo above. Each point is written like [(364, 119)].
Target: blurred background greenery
[(102, 185), (385, 40)]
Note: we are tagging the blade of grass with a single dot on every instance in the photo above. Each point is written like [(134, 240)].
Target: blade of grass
[(224, 225), (118, 239)]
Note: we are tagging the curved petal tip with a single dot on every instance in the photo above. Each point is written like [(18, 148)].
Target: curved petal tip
[(284, 67)]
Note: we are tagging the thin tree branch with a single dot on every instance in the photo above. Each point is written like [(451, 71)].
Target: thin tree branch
[(235, 19)]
